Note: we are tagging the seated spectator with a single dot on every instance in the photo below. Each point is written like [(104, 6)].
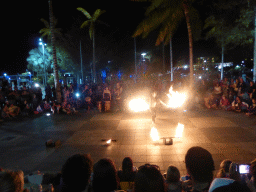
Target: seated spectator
[(11, 181), (127, 173), (251, 89), (217, 92), (227, 185), (252, 108), (211, 102), (14, 110), (34, 102), (224, 103), (239, 106), (252, 182), (200, 166), (149, 179), (56, 107), (47, 106), (106, 94), (38, 110), (5, 111), (224, 169), (245, 97), (104, 176), (173, 180), (25, 109), (75, 173)]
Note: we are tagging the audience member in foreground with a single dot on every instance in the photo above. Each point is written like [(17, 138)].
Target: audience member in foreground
[(173, 179), (76, 173), (252, 182), (11, 181), (104, 176), (200, 166), (149, 179), (127, 173), (223, 172)]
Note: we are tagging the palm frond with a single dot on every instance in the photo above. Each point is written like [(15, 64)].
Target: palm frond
[(154, 5), (97, 13), (152, 22), (84, 12), (86, 23), (46, 23)]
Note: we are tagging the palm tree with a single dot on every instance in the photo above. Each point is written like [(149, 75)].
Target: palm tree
[(91, 22), (220, 29), (47, 30), (56, 75), (167, 14)]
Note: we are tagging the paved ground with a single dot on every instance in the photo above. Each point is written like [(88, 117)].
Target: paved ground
[(225, 134)]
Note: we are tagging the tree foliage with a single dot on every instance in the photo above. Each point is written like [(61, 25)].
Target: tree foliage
[(37, 59), (166, 16)]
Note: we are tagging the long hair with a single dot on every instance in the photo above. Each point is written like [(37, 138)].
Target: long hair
[(149, 179), (11, 181), (76, 172), (127, 165), (104, 176)]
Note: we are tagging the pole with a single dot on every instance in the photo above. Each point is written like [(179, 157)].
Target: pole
[(163, 59), (135, 60), (81, 61), (171, 59), (222, 61), (44, 80)]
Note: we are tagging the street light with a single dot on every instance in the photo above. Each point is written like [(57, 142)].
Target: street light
[(43, 44), (143, 55)]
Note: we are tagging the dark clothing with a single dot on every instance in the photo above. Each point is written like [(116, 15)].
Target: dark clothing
[(126, 177)]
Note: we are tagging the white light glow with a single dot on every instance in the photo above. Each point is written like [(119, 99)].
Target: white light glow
[(108, 141), (154, 134), (138, 105), (36, 85), (179, 130)]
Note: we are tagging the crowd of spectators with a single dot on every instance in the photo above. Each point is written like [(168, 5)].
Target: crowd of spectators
[(237, 95), (29, 102), (79, 174)]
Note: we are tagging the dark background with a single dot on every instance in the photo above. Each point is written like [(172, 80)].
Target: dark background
[(21, 25)]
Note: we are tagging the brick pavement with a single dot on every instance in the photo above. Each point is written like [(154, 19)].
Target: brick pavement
[(225, 134)]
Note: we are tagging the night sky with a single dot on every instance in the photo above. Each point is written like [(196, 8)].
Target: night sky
[(21, 25)]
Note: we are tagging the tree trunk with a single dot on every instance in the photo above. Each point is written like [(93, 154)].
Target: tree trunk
[(190, 37), (222, 62), (93, 60), (171, 58), (56, 76), (135, 64), (163, 60)]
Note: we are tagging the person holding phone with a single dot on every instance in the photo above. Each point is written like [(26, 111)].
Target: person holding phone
[(252, 172)]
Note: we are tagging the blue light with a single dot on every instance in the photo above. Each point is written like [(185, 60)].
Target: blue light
[(119, 75), (77, 94)]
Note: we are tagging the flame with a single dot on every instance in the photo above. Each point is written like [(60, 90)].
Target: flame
[(179, 130), (154, 134), (138, 105), (176, 99), (108, 141)]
